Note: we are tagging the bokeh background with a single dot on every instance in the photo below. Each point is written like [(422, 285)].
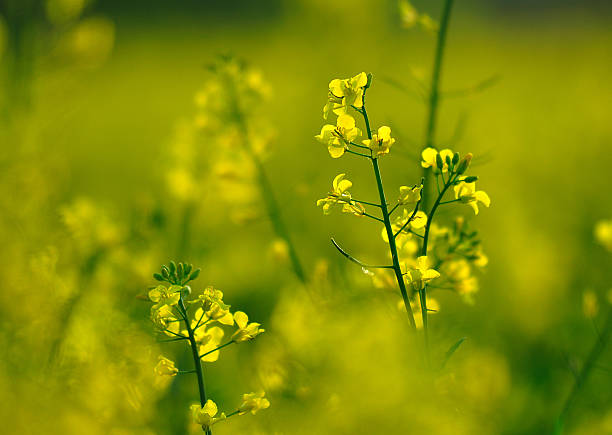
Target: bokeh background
[(98, 97)]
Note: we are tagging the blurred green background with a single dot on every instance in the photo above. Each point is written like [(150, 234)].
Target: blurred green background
[(94, 99)]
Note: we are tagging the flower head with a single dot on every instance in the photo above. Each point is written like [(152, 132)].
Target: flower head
[(253, 402), (381, 141), (165, 367), (341, 196), (205, 416), (209, 341), (467, 194), (422, 274), (429, 156), (165, 296), (336, 137), (213, 308), (344, 93), (409, 195), (246, 331)]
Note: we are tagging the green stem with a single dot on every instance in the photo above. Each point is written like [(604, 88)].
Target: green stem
[(373, 217), (387, 221), (196, 358), (216, 349), (392, 246), (434, 91), (423, 290), (272, 207), (588, 366)]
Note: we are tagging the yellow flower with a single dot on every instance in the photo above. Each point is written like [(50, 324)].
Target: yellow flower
[(246, 331), (165, 367), (467, 193), (418, 221), (603, 233), (422, 274), (341, 196), (380, 142), (165, 296), (210, 340), (429, 158), (205, 416), (345, 93), (253, 402), (409, 195), (212, 308), (162, 316), (337, 137)]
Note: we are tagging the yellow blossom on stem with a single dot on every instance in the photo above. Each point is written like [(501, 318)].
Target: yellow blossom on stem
[(210, 340), (409, 195), (422, 274), (165, 367), (165, 296), (337, 137), (344, 93), (246, 331), (253, 402), (467, 194), (206, 416), (342, 197), (381, 142), (429, 156)]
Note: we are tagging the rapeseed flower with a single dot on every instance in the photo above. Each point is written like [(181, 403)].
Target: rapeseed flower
[(253, 402), (246, 331), (467, 194), (339, 136), (381, 142), (342, 197)]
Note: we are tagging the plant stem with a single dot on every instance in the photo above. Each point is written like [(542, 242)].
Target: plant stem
[(588, 366), (423, 290), (392, 246), (196, 358), (217, 348), (434, 91), (267, 192), (387, 221)]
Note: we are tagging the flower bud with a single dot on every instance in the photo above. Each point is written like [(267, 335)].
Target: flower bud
[(464, 164), (470, 179), (455, 158), (439, 162)]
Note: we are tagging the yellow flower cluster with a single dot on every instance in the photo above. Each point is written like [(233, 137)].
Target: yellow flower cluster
[(215, 151), (199, 318)]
